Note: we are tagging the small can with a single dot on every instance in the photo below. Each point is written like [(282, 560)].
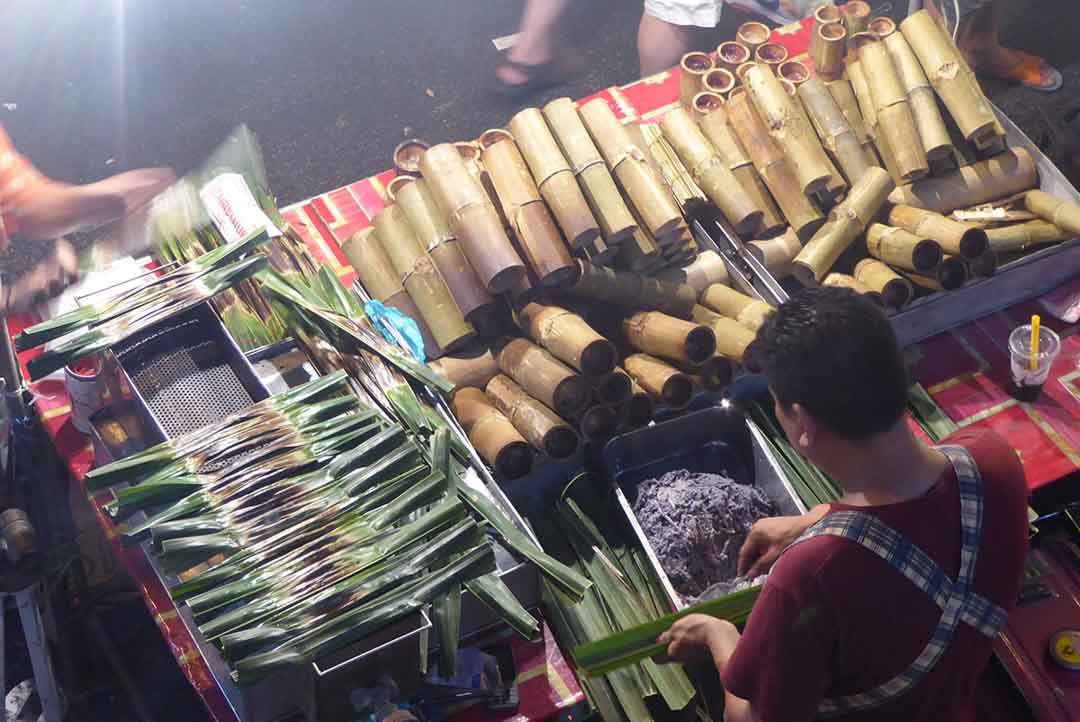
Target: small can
[(86, 387)]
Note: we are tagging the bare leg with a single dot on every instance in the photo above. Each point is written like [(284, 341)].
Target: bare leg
[(661, 45), (537, 41)]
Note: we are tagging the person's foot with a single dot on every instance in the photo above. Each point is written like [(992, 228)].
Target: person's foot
[(1015, 66)]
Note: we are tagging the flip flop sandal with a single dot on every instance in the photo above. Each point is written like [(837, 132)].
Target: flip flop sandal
[(1033, 73), (539, 76)]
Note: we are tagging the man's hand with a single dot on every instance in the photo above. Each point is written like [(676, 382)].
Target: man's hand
[(697, 637), (769, 537), (49, 278)]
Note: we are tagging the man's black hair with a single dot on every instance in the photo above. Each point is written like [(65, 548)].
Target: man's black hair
[(833, 351)]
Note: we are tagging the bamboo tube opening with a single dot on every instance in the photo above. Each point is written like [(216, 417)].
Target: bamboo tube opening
[(732, 54), (857, 16), (677, 391), (740, 75), (828, 14), (753, 34), (696, 62), (718, 80), (700, 345), (832, 33), (465, 369), (882, 27), (716, 373), (861, 40), (952, 273), (396, 184), (598, 357), (514, 460), (927, 255), (772, 54), (468, 150), (598, 422), (895, 290), (694, 66), (639, 409), (560, 442), (407, 156), (794, 72), (492, 136), (615, 388), (706, 102), (827, 49), (974, 243)]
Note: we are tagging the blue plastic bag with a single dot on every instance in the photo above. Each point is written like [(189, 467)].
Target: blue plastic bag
[(388, 319)]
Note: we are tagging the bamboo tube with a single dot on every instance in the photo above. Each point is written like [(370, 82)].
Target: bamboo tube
[(846, 222), (462, 370), (718, 130), (663, 382), (827, 48), (856, 18), (844, 95), (554, 178), (785, 124), (900, 248), (493, 435), (772, 56), (881, 27), (708, 268), (540, 242), (895, 290), (568, 338), (921, 98), (712, 375), (491, 136), (639, 408), (639, 253), (616, 222), (377, 275), (732, 337), (649, 197), (772, 165), (952, 273), (710, 172), (718, 80), (472, 218), (542, 376), (842, 280), (598, 422), (857, 80), (740, 72), (407, 156), (950, 75), (893, 112), (540, 426), (793, 71), (824, 16), (667, 337), (705, 102), (1061, 213), (953, 236), (984, 266), (747, 310), (753, 34), (692, 70), (731, 54), (422, 280), (832, 127), (434, 234), (670, 169), (396, 184), (1021, 236), (1003, 175), (614, 389), (777, 254)]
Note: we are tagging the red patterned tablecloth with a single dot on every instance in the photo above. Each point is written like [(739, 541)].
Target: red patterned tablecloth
[(966, 371)]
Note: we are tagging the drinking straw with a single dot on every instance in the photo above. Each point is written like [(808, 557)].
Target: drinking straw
[(1033, 363)]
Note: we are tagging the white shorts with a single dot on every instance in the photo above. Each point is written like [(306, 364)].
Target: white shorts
[(700, 13)]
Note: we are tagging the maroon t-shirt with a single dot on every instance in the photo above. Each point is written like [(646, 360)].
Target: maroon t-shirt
[(834, 619)]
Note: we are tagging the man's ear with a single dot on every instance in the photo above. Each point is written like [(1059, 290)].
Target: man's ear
[(807, 425)]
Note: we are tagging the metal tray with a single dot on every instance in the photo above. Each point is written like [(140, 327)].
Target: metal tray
[(711, 440)]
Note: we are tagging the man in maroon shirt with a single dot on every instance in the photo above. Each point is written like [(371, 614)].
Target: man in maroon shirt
[(858, 628)]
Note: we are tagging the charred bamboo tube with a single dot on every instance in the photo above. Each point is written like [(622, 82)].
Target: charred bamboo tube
[(715, 374), (543, 377), (950, 75), (614, 389), (718, 80), (568, 338), (832, 127), (434, 234), (846, 222), (856, 18), (753, 35), (493, 435), (731, 54), (377, 275), (772, 165), (539, 239), (777, 254), (422, 280), (463, 370), (1003, 175), (921, 98), (664, 336), (616, 222), (1063, 214), (540, 426), (827, 47), (598, 422), (895, 290), (639, 408), (473, 218), (718, 130), (747, 310), (663, 382), (732, 337), (708, 268), (984, 266), (1021, 236), (787, 128), (953, 273), (842, 280), (639, 253), (710, 172), (651, 200), (959, 239), (793, 71), (893, 112), (692, 70), (900, 248), (554, 178)]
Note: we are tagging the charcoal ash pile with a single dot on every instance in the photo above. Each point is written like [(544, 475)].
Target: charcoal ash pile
[(697, 523)]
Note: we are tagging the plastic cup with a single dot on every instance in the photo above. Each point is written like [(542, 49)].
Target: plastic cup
[(1028, 381)]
